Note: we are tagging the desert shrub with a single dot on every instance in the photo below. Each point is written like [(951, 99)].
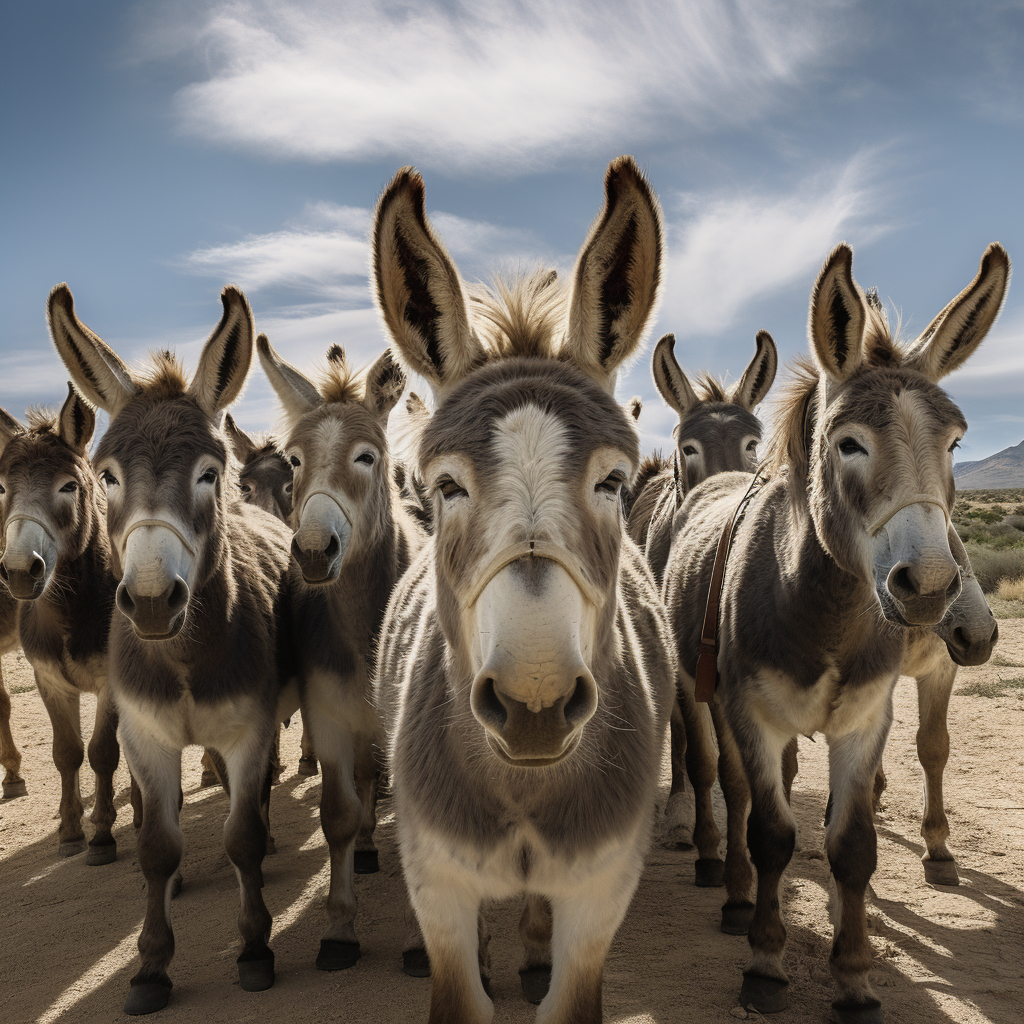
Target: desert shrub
[(992, 565), (1016, 520), (1011, 589)]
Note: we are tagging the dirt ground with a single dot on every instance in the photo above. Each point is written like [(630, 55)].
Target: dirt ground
[(68, 931)]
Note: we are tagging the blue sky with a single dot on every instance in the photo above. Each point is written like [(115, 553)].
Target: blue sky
[(152, 153)]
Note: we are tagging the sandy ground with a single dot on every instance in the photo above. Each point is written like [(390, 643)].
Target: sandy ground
[(68, 931)]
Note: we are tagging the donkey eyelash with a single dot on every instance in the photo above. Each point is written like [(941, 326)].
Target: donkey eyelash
[(70, 487), (449, 488), (689, 450), (953, 447), (109, 479), (612, 482), (848, 446), (209, 477), (366, 457)]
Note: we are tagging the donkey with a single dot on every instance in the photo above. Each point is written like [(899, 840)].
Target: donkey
[(55, 564), (10, 757), (526, 670), (353, 540), (844, 547), (199, 646)]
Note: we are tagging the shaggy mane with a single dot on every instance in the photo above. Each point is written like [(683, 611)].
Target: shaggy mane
[(711, 389), (339, 382), (165, 378), (41, 420), (521, 316)]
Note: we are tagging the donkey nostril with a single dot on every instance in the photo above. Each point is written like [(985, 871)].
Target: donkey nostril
[(902, 583), (333, 546), (489, 705), (37, 568), (178, 597), (960, 636), (124, 601), (296, 551), (578, 704)]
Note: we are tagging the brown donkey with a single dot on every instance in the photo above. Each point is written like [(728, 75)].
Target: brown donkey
[(353, 540), (10, 757), (198, 648), (843, 548), (55, 564), (525, 671)]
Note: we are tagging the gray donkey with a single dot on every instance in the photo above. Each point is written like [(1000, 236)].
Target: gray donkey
[(10, 757), (353, 540), (199, 645), (844, 547), (525, 670), (55, 564)]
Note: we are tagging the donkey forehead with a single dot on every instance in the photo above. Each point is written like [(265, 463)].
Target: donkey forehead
[(709, 421), (40, 456), (895, 401), (336, 423), (166, 435), (505, 412)]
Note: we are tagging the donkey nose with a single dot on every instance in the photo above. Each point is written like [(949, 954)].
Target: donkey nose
[(316, 563), (154, 616), (24, 584), (924, 588)]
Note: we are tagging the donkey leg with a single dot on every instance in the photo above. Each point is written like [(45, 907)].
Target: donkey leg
[(702, 768), (62, 705), (367, 778), (535, 931), (771, 838), (790, 768), (674, 809), (245, 840), (10, 757), (738, 909), (209, 776), (158, 773), (933, 692), (307, 762), (104, 754)]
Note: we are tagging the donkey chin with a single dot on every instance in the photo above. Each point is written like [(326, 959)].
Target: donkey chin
[(154, 590), (534, 692), (29, 555)]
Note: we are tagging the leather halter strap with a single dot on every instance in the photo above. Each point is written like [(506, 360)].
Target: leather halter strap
[(706, 678), (163, 524), (901, 503)]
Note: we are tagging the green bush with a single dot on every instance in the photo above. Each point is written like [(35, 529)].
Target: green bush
[(992, 564)]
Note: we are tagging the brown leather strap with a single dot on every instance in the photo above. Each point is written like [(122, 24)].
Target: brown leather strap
[(706, 679)]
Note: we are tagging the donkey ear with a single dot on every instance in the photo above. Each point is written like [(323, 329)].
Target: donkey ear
[(958, 330), (838, 316), (751, 388), (297, 393), (76, 422), (385, 383), (418, 288), (227, 356), (617, 275), (669, 377), (96, 370), (241, 443), (9, 429)]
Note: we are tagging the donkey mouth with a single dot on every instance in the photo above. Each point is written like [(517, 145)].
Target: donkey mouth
[(543, 761)]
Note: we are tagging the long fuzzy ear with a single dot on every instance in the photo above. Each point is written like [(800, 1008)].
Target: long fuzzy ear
[(226, 357), (9, 429), (297, 393), (241, 443), (418, 288), (673, 384), (385, 383), (93, 365), (757, 379), (617, 275), (837, 316), (958, 330), (76, 422)]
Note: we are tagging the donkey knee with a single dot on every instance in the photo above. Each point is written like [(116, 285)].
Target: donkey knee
[(771, 841)]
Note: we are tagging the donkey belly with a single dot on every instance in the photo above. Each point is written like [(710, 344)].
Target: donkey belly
[(221, 725)]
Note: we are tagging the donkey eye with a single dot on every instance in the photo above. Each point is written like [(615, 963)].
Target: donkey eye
[(953, 447), (209, 477), (287, 488), (109, 480), (366, 458), (848, 446), (294, 460), (246, 488), (69, 488), (752, 446), (611, 483), (689, 450), (450, 489)]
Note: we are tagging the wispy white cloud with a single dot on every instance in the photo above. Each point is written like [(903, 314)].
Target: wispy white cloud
[(725, 251), (505, 85)]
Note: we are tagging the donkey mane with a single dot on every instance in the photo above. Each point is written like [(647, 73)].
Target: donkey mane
[(338, 381), (41, 420), (711, 389), (520, 316), (164, 378)]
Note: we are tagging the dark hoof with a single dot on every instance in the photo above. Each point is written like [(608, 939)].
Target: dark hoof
[(736, 918), (208, 779), (366, 862), (257, 974), (709, 872), (147, 997), (12, 790), (308, 766), (766, 995), (72, 848), (416, 963), (105, 853), (535, 981), (337, 956), (176, 884), (940, 872), (271, 847), (846, 1011)]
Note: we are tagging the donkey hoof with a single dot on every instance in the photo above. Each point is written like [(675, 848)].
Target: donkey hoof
[(764, 994), (336, 955), (736, 918), (709, 872), (535, 981), (416, 963), (101, 853), (176, 884), (846, 1011), (15, 789), (208, 778), (366, 862), (940, 872), (147, 997), (308, 766), (72, 848), (256, 974)]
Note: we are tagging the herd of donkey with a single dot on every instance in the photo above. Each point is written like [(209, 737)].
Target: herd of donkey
[(505, 627)]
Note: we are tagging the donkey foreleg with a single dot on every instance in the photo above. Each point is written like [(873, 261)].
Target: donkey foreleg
[(933, 692), (10, 756), (62, 705), (535, 931), (702, 768), (367, 773), (104, 754)]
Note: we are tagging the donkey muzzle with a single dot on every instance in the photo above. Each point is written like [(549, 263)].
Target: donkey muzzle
[(29, 555), (158, 616), (969, 628), (154, 591), (323, 536)]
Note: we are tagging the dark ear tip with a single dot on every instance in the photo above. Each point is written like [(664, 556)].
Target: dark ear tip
[(842, 255), (336, 354), (232, 295), (407, 181), (668, 340), (263, 344), (763, 338), (995, 252), (60, 295)]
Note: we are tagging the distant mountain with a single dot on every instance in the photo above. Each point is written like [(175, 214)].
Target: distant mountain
[(1004, 469)]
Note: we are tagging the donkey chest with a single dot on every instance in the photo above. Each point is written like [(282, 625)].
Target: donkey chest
[(183, 722)]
